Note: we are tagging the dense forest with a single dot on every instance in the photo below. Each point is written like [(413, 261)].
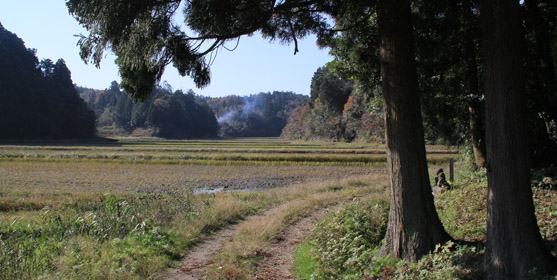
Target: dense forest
[(38, 98), (165, 114), (257, 115)]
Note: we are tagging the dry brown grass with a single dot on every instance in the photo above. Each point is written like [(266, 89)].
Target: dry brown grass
[(237, 258), (88, 177)]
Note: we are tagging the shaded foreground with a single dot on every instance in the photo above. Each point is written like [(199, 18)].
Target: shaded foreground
[(358, 231)]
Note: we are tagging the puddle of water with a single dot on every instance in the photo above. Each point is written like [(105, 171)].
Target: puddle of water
[(216, 190)]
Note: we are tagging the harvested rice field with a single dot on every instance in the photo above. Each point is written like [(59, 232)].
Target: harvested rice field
[(131, 208)]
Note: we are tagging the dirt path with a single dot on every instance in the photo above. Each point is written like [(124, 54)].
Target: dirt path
[(277, 263), (278, 256), (194, 263)]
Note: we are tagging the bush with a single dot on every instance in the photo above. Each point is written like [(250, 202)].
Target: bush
[(109, 236), (346, 241), (448, 261)]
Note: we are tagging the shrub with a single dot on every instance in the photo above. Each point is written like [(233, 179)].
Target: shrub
[(346, 241), (109, 234), (448, 261)]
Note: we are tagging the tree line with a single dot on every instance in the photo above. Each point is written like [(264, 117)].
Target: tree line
[(40, 101), (38, 98), (165, 114), (180, 115), (404, 47)]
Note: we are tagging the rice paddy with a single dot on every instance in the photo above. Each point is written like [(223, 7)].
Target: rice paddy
[(127, 208)]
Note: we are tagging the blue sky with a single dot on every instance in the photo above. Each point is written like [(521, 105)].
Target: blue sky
[(255, 66)]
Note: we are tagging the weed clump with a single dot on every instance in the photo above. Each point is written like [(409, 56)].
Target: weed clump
[(346, 241), (79, 245)]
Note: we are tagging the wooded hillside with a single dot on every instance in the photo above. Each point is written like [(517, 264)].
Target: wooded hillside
[(165, 114), (336, 111), (38, 98)]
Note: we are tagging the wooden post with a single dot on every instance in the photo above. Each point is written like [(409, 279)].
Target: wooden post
[(451, 170)]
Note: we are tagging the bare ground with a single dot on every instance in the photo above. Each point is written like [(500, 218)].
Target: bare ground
[(278, 256), (194, 263)]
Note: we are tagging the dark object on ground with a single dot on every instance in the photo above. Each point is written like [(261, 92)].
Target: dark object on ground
[(441, 182)]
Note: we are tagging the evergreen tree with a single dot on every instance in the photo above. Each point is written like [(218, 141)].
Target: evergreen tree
[(514, 244), (149, 23), (38, 99)]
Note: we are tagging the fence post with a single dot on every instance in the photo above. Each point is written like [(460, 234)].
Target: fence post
[(451, 169)]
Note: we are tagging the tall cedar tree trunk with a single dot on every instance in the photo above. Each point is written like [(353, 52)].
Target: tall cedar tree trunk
[(414, 227), (514, 244), (475, 105)]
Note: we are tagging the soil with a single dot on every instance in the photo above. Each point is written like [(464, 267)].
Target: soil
[(278, 256), (194, 263)]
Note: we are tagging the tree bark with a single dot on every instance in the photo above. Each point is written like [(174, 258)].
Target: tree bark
[(514, 244), (414, 227), (475, 106)]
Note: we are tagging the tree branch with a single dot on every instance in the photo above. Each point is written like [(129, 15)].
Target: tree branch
[(293, 36)]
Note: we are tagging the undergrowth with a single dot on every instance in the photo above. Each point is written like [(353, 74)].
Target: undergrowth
[(343, 245), (346, 241), (117, 237)]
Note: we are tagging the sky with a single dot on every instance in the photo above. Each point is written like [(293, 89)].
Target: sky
[(256, 65)]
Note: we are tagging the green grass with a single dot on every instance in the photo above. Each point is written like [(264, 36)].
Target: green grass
[(340, 253), (346, 241), (304, 262), (118, 237)]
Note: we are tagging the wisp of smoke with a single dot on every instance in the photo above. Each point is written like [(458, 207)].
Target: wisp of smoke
[(226, 117), (250, 103)]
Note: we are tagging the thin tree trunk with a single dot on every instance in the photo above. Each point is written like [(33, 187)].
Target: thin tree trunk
[(475, 105), (476, 121), (543, 46), (414, 227), (514, 244)]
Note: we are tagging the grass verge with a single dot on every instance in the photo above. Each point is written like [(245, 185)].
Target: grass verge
[(238, 258), (304, 262), (118, 237), (136, 236)]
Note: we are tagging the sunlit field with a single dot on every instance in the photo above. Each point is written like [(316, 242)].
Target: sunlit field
[(127, 208), (243, 152)]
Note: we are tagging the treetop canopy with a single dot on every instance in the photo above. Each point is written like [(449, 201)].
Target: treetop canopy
[(146, 39)]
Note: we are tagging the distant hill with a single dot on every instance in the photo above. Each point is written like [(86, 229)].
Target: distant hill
[(175, 115), (38, 99), (257, 115)]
